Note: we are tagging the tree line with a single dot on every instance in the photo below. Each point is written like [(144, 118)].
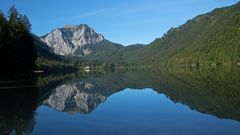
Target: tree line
[(17, 50)]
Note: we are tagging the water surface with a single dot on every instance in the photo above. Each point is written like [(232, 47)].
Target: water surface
[(171, 102)]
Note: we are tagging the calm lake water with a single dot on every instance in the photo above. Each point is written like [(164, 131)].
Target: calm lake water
[(168, 102)]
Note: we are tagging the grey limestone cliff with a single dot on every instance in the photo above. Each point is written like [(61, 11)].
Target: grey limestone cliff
[(71, 39)]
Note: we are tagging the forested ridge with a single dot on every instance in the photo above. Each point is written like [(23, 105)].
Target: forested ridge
[(208, 39)]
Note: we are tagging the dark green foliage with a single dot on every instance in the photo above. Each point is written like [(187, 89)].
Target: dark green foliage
[(109, 52), (103, 51), (17, 51), (56, 66)]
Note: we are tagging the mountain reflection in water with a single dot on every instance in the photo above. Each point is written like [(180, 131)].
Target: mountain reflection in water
[(215, 92)]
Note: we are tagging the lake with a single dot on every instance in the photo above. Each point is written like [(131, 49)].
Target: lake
[(138, 102)]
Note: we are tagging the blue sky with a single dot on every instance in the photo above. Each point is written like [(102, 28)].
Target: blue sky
[(121, 21)]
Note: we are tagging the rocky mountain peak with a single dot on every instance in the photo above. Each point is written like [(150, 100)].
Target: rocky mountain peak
[(70, 38)]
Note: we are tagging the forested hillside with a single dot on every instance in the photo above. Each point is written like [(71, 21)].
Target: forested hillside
[(212, 38)]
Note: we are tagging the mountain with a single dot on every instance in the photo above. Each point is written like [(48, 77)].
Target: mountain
[(74, 40), (83, 42)]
